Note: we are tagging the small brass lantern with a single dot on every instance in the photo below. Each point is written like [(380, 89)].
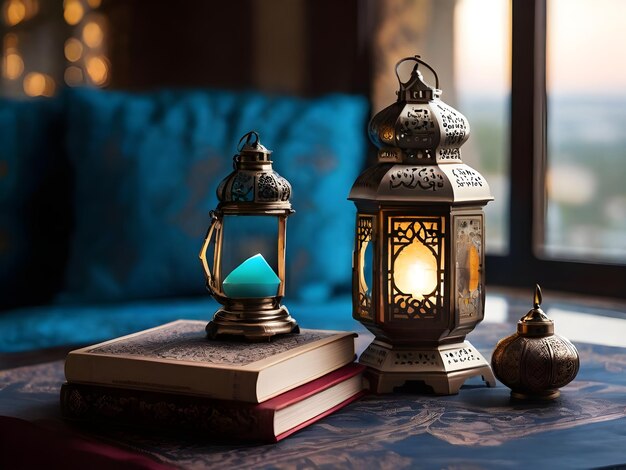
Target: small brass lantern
[(251, 217), (418, 266)]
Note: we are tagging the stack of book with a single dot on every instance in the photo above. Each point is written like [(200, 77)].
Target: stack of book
[(173, 377)]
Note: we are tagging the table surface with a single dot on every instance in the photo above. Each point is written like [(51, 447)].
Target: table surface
[(478, 428)]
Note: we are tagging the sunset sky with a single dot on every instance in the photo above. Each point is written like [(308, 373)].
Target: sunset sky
[(586, 46)]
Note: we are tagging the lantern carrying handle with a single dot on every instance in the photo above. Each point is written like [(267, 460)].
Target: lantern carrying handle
[(247, 139), (418, 61), (202, 255)]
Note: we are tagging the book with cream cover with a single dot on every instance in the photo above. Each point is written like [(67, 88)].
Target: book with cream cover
[(269, 421), (178, 358)]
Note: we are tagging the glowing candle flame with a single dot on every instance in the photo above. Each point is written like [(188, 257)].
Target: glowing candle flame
[(415, 271)]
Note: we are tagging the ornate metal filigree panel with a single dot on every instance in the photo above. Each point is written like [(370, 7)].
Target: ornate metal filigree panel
[(364, 231), (417, 127), (469, 266), (460, 356), (450, 153), (426, 178), (454, 125), (268, 187), (284, 189), (423, 238), (254, 186), (271, 187), (242, 188)]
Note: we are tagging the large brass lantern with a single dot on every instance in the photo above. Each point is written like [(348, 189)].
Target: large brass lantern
[(247, 236), (418, 267)]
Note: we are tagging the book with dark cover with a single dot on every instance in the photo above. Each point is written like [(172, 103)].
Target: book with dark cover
[(178, 358), (269, 421)]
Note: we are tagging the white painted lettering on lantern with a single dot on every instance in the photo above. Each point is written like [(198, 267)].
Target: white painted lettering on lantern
[(468, 184)]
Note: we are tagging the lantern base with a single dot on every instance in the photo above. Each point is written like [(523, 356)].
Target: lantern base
[(252, 325), (443, 368)]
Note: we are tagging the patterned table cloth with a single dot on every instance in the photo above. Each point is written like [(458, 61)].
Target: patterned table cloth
[(478, 428)]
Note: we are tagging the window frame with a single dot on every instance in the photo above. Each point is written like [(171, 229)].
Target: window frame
[(524, 265)]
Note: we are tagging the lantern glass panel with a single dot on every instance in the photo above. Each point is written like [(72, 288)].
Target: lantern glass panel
[(415, 267), (365, 266), (469, 255), (245, 236)]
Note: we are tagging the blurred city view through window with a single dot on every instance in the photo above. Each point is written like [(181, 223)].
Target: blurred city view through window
[(482, 65), (586, 178)]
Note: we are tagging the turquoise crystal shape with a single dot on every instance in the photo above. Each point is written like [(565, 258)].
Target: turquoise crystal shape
[(253, 278)]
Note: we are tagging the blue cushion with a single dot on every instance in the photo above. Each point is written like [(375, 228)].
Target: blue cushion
[(147, 167), (47, 326), (34, 201)]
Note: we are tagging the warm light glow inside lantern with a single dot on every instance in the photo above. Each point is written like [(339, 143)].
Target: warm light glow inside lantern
[(247, 238), (418, 277), (415, 272), (416, 260)]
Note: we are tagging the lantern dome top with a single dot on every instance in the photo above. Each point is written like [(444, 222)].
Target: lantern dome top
[(253, 186), (415, 89), (419, 138), (418, 127)]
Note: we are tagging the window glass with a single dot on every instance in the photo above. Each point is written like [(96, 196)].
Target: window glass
[(586, 85), (482, 64)]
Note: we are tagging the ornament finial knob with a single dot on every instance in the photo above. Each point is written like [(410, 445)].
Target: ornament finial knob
[(538, 298)]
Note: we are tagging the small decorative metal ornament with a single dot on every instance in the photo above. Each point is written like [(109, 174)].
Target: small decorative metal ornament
[(418, 276), (534, 362), (253, 209)]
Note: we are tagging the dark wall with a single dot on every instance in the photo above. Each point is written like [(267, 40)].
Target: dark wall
[(340, 35), (184, 43), (297, 46)]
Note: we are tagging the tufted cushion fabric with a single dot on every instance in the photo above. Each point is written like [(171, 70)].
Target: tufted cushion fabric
[(34, 200), (147, 167)]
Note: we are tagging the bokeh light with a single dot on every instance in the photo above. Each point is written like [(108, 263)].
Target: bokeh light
[(14, 12), (97, 69), (73, 49), (12, 66), (94, 3), (73, 75), (38, 84), (12, 63), (73, 11), (93, 34)]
